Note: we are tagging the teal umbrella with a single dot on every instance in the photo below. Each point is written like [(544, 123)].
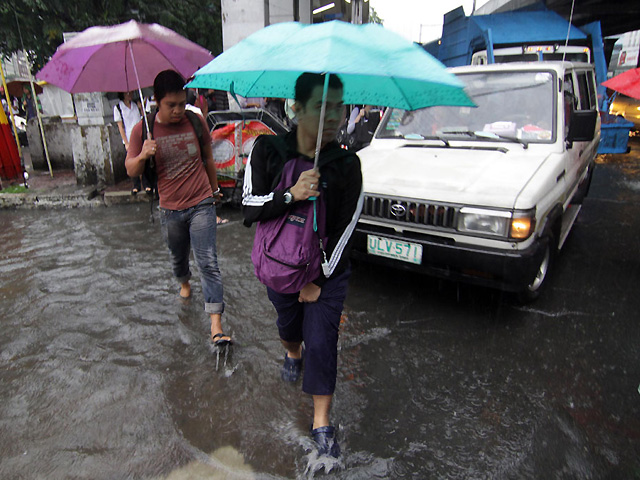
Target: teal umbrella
[(376, 66)]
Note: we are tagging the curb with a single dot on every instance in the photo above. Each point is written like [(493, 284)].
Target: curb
[(122, 198), (77, 198)]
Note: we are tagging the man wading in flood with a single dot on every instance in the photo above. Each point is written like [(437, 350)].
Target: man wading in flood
[(311, 315), (188, 190)]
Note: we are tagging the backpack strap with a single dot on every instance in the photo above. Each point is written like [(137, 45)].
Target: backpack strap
[(120, 110), (197, 126)]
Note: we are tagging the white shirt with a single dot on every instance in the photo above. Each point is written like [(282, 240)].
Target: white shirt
[(131, 116)]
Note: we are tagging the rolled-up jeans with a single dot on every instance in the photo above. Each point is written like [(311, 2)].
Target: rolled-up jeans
[(195, 228)]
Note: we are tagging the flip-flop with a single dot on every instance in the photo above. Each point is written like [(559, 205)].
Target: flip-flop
[(222, 221), (220, 342), (134, 191)]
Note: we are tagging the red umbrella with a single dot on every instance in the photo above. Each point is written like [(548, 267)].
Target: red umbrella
[(14, 87), (627, 83)]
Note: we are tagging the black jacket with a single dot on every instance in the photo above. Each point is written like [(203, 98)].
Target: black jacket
[(340, 184)]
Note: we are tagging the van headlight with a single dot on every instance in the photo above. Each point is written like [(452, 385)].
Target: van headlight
[(496, 223)]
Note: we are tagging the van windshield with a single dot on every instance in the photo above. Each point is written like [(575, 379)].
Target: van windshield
[(510, 105)]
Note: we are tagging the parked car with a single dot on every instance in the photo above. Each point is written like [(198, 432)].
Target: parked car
[(628, 107), (485, 195)]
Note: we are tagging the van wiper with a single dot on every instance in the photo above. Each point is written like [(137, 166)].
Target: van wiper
[(486, 135), (490, 135), (417, 136)]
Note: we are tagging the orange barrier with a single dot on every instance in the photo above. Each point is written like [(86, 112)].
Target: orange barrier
[(231, 157)]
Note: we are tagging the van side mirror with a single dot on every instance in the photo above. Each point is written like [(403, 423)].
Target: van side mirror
[(582, 126)]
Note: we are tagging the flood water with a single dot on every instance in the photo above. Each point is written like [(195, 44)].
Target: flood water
[(106, 374)]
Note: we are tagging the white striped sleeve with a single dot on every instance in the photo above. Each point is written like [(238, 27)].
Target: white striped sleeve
[(346, 235), (248, 199)]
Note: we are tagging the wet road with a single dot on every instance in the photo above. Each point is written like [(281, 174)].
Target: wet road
[(106, 374)]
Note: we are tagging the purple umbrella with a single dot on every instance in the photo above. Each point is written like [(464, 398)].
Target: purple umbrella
[(121, 58)]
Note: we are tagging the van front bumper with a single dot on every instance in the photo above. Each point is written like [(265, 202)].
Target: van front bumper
[(507, 270)]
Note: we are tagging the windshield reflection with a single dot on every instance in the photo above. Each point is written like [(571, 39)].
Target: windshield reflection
[(510, 106)]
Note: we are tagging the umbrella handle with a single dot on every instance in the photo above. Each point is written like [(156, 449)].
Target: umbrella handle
[(323, 110)]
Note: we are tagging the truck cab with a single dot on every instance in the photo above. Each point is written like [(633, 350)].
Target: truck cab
[(534, 53), (486, 194)]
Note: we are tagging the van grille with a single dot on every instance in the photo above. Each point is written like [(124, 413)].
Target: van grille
[(406, 211)]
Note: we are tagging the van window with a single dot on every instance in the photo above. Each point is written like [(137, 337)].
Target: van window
[(593, 93), (525, 57), (567, 56), (583, 92), (570, 101)]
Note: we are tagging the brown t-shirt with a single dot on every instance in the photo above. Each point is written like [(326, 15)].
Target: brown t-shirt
[(182, 179)]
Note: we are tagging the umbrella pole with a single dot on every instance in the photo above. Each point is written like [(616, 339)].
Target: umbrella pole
[(44, 138), (135, 71), (323, 110)]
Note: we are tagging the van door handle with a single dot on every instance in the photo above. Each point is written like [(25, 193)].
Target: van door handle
[(562, 174)]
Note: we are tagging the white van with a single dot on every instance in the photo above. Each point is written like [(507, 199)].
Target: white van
[(485, 195)]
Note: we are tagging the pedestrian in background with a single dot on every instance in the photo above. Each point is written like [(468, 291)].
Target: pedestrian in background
[(29, 104), (126, 114), (5, 105)]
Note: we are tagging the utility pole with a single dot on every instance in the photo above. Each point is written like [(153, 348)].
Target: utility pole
[(356, 12)]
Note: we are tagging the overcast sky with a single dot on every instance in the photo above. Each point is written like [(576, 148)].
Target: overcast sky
[(419, 20)]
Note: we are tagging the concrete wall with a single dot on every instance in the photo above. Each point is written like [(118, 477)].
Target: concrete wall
[(94, 152), (98, 155), (241, 18), (57, 134), (280, 11)]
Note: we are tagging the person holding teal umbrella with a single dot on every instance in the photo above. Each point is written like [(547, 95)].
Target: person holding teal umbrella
[(311, 316)]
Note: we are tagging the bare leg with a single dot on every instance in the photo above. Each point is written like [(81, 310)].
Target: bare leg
[(185, 289), (321, 407), (216, 327), (294, 349)]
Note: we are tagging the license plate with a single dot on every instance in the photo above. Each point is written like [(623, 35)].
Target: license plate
[(386, 247)]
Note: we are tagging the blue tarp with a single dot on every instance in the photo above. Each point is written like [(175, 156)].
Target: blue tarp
[(461, 35), (526, 27), (614, 134)]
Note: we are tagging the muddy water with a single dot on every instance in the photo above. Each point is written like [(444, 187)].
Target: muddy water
[(106, 374)]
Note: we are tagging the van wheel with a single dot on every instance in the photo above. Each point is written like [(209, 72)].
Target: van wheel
[(583, 189), (541, 279)]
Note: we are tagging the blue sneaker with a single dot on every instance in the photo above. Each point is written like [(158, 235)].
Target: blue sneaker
[(291, 369), (327, 442)]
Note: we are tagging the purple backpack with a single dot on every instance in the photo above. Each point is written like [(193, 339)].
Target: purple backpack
[(288, 251)]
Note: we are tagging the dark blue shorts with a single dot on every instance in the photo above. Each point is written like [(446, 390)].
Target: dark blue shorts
[(317, 324)]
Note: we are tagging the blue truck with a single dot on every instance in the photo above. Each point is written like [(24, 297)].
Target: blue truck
[(533, 33)]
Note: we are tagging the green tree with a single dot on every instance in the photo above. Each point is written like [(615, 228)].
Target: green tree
[(42, 22), (373, 16)]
